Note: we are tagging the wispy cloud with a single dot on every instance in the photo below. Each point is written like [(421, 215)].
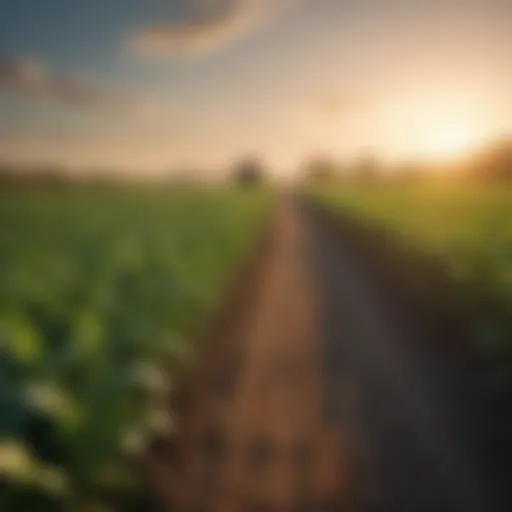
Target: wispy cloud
[(32, 78), (208, 26), (332, 106)]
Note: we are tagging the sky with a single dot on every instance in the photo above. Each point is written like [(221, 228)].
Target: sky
[(151, 86)]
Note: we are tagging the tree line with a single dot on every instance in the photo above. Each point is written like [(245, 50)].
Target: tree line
[(492, 164)]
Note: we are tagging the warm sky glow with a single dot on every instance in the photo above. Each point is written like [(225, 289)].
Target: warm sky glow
[(161, 84), (438, 124), (450, 141)]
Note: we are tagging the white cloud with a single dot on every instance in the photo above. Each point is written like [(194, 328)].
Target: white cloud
[(32, 78), (209, 25)]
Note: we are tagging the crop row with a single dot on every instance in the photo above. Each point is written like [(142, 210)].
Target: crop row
[(100, 293)]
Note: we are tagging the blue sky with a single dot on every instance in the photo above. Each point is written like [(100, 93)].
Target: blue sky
[(158, 84)]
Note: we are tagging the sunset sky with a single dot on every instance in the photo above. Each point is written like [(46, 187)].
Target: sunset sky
[(152, 85)]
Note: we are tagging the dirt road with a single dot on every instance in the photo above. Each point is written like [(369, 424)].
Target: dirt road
[(318, 398)]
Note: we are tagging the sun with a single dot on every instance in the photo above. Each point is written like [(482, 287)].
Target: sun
[(447, 141), (436, 125)]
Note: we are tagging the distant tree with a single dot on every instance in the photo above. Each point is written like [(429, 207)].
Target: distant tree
[(494, 163), (185, 177), (367, 169), (50, 175), (248, 172), (7, 173), (408, 172), (33, 175), (320, 170)]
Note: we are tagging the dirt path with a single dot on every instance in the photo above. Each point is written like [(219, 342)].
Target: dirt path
[(315, 399), (254, 438)]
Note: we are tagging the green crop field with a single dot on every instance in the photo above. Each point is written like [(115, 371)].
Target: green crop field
[(100, 290), (467, 229)]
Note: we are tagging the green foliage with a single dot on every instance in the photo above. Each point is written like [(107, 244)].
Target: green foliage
[(467, 229), (98, 291)]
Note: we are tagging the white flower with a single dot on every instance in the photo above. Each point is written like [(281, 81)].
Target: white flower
[(52, 480), (151, 378), (134, 441), (159, 421), (47, 397), (15, 461), (17, 464)]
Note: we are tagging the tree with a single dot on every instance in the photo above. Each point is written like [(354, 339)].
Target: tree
[(368, 169), (248, 172), (320, 170), (494, 163)]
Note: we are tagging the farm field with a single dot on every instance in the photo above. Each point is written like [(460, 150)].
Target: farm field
[(466, 229), (101, 291)]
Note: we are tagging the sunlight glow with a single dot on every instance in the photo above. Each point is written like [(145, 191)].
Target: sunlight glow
[(450, 141), (437, 124)]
